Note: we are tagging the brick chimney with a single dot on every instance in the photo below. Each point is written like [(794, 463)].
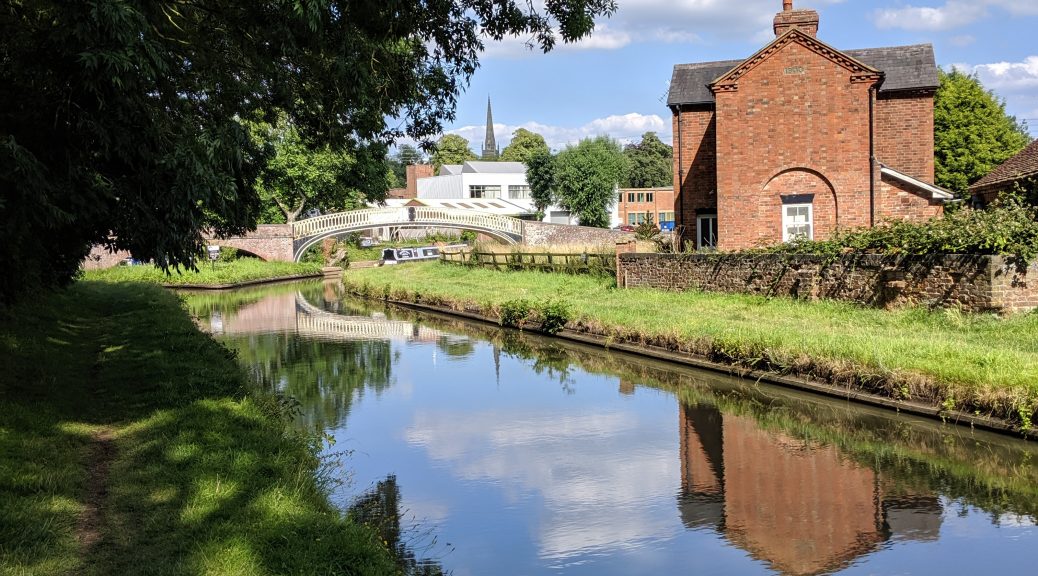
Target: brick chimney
[(414, 172), (805, 20)]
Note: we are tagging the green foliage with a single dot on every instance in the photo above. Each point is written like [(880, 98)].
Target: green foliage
[(1007, 228), (647, 229), (972, 132), (524, 145), (540, 175), (586, 176), (299, 176), (406, 155), (515, 313), (452, 149), (554, 315), (650, 163), (122, 122)]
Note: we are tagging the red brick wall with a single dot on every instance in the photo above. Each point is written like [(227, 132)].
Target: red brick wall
[(904, 133), (904, 142), (778, 128), (696, 161)]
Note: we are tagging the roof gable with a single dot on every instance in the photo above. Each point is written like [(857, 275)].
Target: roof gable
[(860, 72), (904, 67), (1022, 165)]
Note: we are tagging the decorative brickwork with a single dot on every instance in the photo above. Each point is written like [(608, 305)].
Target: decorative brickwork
[(971, 283)]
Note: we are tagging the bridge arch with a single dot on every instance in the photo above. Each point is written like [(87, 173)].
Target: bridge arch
[(306, 233)]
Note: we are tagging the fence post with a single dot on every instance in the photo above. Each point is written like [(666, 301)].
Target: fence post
[(626, 247)]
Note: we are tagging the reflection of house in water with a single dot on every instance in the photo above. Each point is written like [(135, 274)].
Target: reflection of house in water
[(292, 313), (801, 507)]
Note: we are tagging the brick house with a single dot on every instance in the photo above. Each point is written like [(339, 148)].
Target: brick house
[(800, 139), (635, 205)]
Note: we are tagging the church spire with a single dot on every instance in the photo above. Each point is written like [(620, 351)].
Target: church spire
[(490, 149)]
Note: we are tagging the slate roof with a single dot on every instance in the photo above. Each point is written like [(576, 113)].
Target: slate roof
[(904, 67), (483, 167), (1020, 166)]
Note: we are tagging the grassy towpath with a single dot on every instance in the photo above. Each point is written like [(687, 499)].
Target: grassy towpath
[(129, 445), (979, 364), (208, 274)]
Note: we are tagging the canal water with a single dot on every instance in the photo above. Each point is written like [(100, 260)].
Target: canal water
[(477, 450)]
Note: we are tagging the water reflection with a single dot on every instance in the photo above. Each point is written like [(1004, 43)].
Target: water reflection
[(569, 461)]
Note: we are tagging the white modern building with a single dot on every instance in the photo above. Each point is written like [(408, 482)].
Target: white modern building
[(475, 183)]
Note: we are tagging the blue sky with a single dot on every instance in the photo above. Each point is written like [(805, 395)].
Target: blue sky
[(615, 83)]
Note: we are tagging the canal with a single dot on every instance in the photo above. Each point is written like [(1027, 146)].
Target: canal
[(477, 450)]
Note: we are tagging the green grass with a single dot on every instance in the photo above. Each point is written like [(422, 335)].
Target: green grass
[(205, 477), (208, 274), (970, 362)]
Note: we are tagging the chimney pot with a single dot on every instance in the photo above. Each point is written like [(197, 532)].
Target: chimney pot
[(787, 5)]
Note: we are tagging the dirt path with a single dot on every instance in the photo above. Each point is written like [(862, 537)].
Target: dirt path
[(102, 452)]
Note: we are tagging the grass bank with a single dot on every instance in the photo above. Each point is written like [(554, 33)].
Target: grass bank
[(976, 364), (129, 445), (208, 274)]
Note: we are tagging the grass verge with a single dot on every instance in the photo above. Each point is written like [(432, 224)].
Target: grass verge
[(977, 364), (208, 274), (128, 445)]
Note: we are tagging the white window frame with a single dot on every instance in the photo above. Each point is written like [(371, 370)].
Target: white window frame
[(518, 192), (700, 220), (486, 191), (787, 222)]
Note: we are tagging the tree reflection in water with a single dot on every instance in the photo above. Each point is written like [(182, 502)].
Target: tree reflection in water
[(380, 508)]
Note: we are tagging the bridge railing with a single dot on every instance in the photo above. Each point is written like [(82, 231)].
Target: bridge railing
[(376, 217)]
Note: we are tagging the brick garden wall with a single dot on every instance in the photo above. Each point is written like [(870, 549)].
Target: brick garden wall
[(971, 283), (547, 234)]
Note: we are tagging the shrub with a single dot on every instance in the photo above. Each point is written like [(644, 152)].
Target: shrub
[(1008, 228), (514, 313), (554, 316)]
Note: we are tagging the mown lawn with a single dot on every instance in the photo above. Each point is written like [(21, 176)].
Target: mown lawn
[(208, 274), (200, 475), (973, 362)]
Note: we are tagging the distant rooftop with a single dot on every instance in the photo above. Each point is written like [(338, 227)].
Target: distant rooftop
[(479, 167)]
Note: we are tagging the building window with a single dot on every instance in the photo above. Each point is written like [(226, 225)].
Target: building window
[(484, 191), (630, 196), (797, 222), (636, 218), (648, 196), (518, 192), (706, 231), (641, 196), (666, 216)]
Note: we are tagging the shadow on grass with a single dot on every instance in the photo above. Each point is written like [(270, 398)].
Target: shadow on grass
[(205, 477)]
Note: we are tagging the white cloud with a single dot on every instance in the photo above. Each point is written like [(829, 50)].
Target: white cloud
[(667, 21), (1009, 76), (952, 15), (623, 127), (594, 497)]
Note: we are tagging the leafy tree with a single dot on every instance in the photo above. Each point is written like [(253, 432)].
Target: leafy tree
[(586, 177), (650, 163), (972, 132), (297, 177), (524, 145), (122, 120), (540, 175), (407, 155), (452, 149)]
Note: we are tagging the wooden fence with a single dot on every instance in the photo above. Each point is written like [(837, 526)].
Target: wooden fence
[(575, 263)]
